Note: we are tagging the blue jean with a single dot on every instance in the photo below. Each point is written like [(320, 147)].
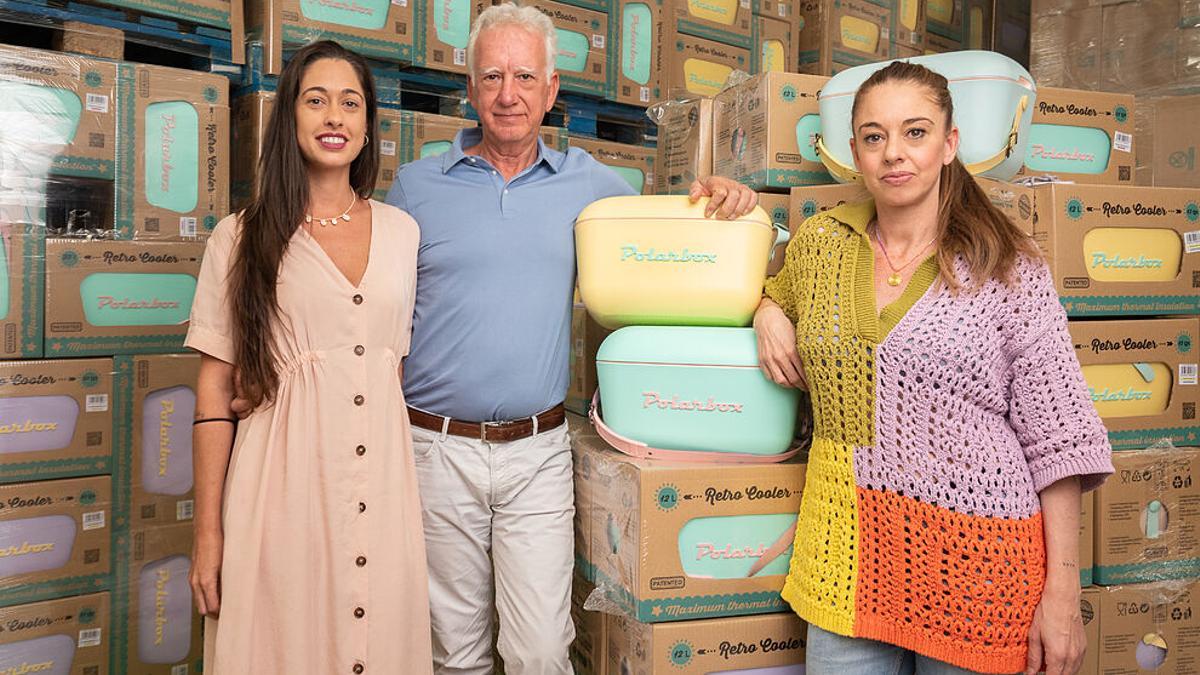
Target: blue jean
[(832, 654)]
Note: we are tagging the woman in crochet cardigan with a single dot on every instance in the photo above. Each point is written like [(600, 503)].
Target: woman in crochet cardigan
[(938, 532)]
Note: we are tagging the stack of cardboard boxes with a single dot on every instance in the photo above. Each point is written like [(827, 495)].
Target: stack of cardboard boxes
[(118, 175)]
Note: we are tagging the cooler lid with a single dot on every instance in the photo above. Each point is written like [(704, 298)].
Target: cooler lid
[(954, 66), (681, 346), (660, 207)]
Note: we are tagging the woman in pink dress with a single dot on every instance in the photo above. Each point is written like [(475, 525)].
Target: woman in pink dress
[(309, 555)]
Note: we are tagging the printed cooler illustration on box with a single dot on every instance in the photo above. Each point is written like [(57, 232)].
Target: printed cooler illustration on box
[(158, 620), (698, 67), (724, 21), (60, 637), (771, 644), (1082, 136), (635, 55), (109, 297), (377, 29)]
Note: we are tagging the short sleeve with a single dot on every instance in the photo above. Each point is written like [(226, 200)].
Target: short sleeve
[(1050, 408), (210, 329)]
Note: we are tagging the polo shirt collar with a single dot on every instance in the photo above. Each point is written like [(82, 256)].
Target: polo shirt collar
[(469, 138), (856, 215)]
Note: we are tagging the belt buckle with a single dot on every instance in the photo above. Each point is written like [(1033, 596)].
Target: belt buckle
[(483, 426)]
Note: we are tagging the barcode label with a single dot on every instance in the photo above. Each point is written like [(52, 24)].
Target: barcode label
[(93, 520), (400, 3), (460, 57), (181, 669), (187, 227), (783, 10), (97, 103), (745, 4), (885, 34), (1123, 141), (387, 148), (1191, 241), (89, 637), (1187, 373), (644, 94), (96, 403), (597, 41), (184, 509)]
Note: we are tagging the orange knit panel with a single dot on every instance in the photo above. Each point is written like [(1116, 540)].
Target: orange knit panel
[(958, 588)]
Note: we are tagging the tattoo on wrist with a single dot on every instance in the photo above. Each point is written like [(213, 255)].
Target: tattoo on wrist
[(1070, 564)]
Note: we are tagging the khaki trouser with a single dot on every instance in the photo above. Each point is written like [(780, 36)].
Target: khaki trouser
[(502, 512)]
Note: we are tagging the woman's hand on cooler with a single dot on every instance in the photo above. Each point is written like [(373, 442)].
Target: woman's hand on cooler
[(205, 577), (728, 199), (777, 354), (1056, 638)]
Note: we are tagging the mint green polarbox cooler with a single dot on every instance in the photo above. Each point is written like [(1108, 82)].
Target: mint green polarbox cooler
[(993, 107), (693, 389)]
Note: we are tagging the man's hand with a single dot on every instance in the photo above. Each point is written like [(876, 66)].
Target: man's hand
[(728, 199)]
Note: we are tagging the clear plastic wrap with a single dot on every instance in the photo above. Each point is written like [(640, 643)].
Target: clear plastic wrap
[(376, 29), (1152, 627), (684, 152)]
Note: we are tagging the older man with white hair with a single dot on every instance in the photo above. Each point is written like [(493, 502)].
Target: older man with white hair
[(487, 371)]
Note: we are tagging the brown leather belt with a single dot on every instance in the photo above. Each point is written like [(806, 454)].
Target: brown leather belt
[(491, 432)]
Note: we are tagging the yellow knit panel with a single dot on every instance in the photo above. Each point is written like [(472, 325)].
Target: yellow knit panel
[(823, 576)]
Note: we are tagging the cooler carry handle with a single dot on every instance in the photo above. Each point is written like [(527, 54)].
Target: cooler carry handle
[(642, 451)]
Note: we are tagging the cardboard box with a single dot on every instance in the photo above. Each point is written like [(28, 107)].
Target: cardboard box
[(1174, 154), (1141, 374), (908, 24), (775, 9), (724, 21), (1120, 251), (641, 517), (1015, 201), (55, 538), (945, 18), (440, 42), (586, 336), (382, 31), (157, 404), (57, 419), (777, 207), (118, 297), (979, 31), (154, 580), (1089, 610), (937, 44), (555, 138), (684, 153), (89, 39), (838, 34), (634, 163), (67, 637), (773, 49), (589, 651), (427, 135), (1065, 48), (23, 247), (635, 30), (1087, 539), (765, 129), (1150, 628), (742, 644), (582, 46), (1148, 517), (174, 179), (61, 150), (695, 67), (1081, 136)]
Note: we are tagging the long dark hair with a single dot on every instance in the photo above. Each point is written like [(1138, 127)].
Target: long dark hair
[(969, 225), (277, 209)]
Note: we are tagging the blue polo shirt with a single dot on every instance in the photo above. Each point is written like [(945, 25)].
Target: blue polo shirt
[(495, 278)]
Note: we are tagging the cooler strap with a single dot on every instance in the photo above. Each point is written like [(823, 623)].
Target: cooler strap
[(992, 162), (842, 172), (642, 451)]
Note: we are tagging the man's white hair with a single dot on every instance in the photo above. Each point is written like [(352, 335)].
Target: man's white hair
[(511, 14)]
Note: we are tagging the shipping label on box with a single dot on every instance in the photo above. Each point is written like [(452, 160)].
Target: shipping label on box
[(22, 292), (1141, 375), (671, 542), (118, 297), (773, 49), (157, 404), (1087, 539), (57, 419), (427, 135), (173, 165), (695, 67), (1176, 148), (684, 152), (724, 21), (442, 30), (773, 643), (1119, 251), (765, 131), (55, 538), (69, 636), (1148, 517), (1081, 136), (634, 163), (635, 30), (1150, 628), (377, 30), (836, 35), (582, 61), (154, 603)]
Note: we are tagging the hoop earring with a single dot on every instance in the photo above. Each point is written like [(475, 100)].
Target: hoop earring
[(366, 139)]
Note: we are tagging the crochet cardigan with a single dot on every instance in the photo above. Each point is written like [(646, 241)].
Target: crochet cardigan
[(937, 422)]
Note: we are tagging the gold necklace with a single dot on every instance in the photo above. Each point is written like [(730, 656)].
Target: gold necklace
[(894, 278), (308, 217)]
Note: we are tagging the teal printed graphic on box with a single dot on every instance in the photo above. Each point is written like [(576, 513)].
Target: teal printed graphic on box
[(380, 48), (137, 299), (23, 248), (726, 547), (366, 14), (451, 26), (808, 128), (572, 52), (172, 161), (637, 35), (635, 177), (1059, 149), (435, 148), (208, 13)]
